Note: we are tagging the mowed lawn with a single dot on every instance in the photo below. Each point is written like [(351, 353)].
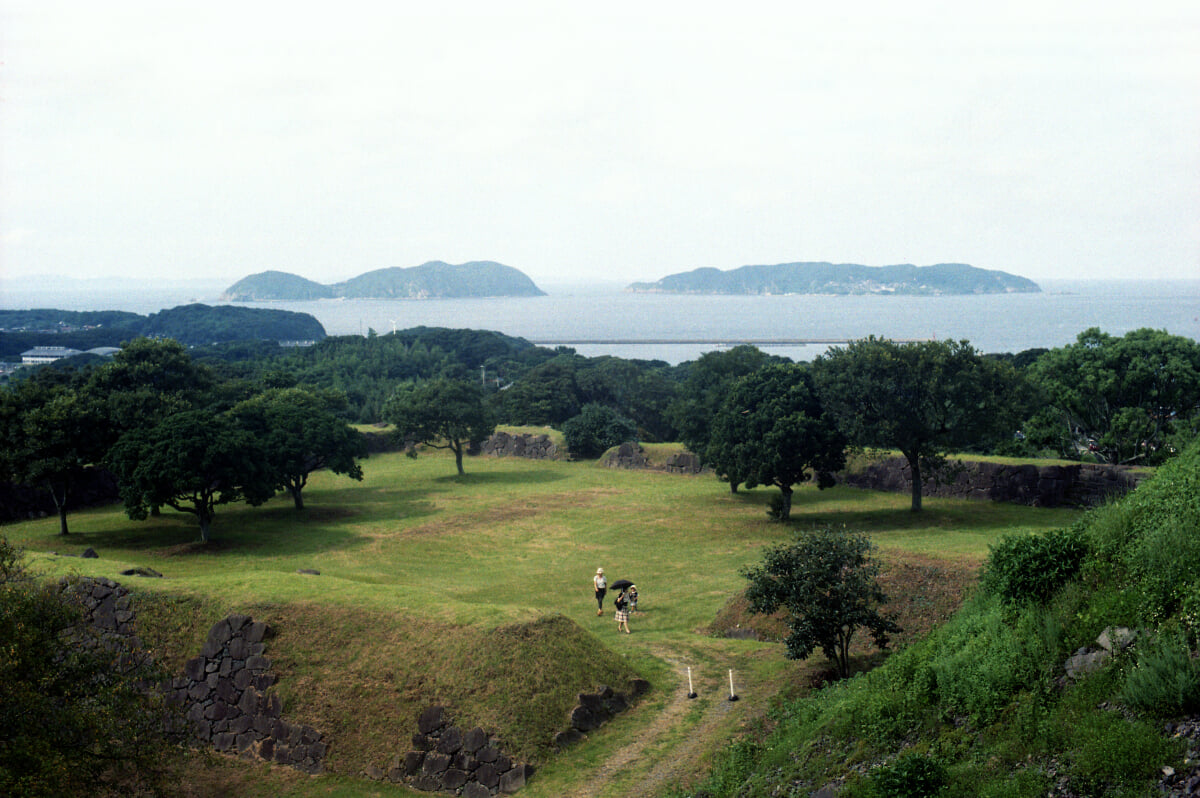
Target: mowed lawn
[(511, 541)]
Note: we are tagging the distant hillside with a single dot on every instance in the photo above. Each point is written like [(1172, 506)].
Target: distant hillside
[(841, 278), (432, 280), (201, 324), (194, 325)]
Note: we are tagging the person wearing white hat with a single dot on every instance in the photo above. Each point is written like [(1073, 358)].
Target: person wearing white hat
[(601, 586)]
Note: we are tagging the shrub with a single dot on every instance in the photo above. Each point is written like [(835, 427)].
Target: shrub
[(1166, 679), (912, 775), (596, 429), (827, 582), (1107, 751), (75, 720), (1024, 568)]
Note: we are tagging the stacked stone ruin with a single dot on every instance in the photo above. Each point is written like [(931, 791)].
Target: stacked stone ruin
[(627, 455), (535, 447), (1082, 485), (223, 693), (595, 709), (444, 758), (683, 463), (108, 612)]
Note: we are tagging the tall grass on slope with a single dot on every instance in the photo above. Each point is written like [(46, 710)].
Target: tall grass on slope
[(985, 698)]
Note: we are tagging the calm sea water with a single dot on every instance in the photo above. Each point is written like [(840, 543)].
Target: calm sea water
[(992, 323)]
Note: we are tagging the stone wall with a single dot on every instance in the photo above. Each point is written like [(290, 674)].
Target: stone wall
[(223, 692), (537, 447), (596, 709), (1077, 485), (627, 455), (444, 758)]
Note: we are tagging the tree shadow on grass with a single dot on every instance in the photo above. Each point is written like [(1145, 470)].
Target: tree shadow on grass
[(275, 529), (500, 478)]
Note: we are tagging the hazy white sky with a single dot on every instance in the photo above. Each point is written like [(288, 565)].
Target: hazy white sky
[(1048, 139)]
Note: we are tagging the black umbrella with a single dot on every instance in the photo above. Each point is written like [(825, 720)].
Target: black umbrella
[(621, 584)]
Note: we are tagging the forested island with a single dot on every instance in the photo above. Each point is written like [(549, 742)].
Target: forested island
[(432, 280), (194, 325), (841, 278)]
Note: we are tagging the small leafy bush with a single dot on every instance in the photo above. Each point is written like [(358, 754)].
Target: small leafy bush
[(1032, 568), (1166, 679), (912, 775)]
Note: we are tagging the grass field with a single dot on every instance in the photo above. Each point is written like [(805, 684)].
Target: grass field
[(475, 591)]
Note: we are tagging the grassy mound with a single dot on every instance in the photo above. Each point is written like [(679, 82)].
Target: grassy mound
[(363, 677)]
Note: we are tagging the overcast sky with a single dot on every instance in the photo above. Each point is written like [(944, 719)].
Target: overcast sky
[(1047, 139)]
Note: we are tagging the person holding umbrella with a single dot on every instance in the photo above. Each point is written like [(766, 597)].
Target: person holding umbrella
[(622, 615)]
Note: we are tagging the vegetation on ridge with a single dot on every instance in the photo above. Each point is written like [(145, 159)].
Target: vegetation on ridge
[(982, 703)]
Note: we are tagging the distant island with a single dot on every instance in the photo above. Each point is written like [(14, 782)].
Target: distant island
[(841, 278), (432, 280)]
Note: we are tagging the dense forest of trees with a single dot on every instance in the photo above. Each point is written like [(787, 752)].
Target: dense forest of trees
[(754, 418)]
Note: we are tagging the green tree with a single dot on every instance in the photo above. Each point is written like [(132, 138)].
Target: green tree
[(146, 381), (705, 385), (826, 581), (596, 429), (300, 432), (1122, 398), (772, 430), (193, 462), (51, 436), (546, 395), (74, 719), (442, 413), (923, 398)]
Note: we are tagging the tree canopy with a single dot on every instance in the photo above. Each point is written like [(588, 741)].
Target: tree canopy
[(923, 398), (827, 583), (1122, 398), (706, 382), (192, 461), (596, 429), (441, 413), (300, 432), (51, 434), (771, 429)]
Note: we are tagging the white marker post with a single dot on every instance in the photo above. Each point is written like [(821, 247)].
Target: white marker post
[(732, 695), (691, 692)]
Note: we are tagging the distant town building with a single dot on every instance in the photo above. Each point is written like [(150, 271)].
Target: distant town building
[(47, 354)]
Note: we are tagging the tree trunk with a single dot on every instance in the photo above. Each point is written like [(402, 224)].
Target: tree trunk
[(914, 469), (297, 499), (457, 446), (785, 508), (205, 526), (843, 651), (60, 504)]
